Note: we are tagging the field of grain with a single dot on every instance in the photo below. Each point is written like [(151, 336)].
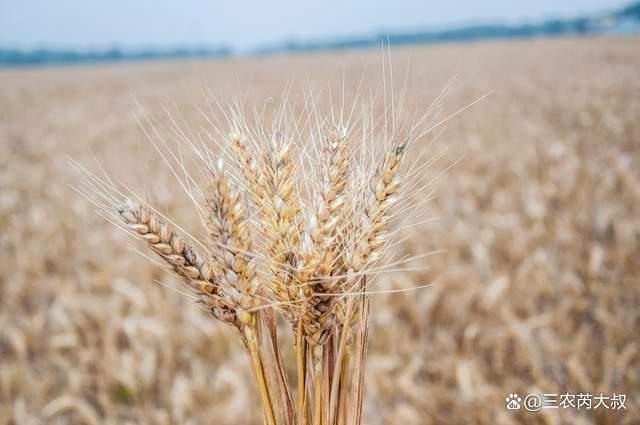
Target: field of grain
[(536, 290)]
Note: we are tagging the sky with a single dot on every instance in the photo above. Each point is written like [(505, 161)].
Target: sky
[(245, 24)]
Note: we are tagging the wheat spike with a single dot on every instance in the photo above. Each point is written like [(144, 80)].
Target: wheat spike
[(279, 207), (368, 233), (179, 254), (232, 257), (319, 248), (370, 229)]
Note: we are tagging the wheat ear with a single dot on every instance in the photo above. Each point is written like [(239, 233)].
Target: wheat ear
[(280, 207), (374, 219), (235, 264), (231, 246), (318, 248), (369, 230), (179, 254)]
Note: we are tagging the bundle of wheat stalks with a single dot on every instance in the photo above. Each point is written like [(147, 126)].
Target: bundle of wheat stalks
[(297, 222)]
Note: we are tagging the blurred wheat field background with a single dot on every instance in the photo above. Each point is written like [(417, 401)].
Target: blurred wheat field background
[(536, 290)]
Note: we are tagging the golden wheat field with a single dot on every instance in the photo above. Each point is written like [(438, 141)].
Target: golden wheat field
[(536, 278)]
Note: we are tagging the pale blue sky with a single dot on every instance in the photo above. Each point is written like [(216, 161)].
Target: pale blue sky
[(242, 24)]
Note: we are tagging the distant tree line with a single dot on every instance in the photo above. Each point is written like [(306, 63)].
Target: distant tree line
[(16, 57), (607, 22), (626, 19)]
